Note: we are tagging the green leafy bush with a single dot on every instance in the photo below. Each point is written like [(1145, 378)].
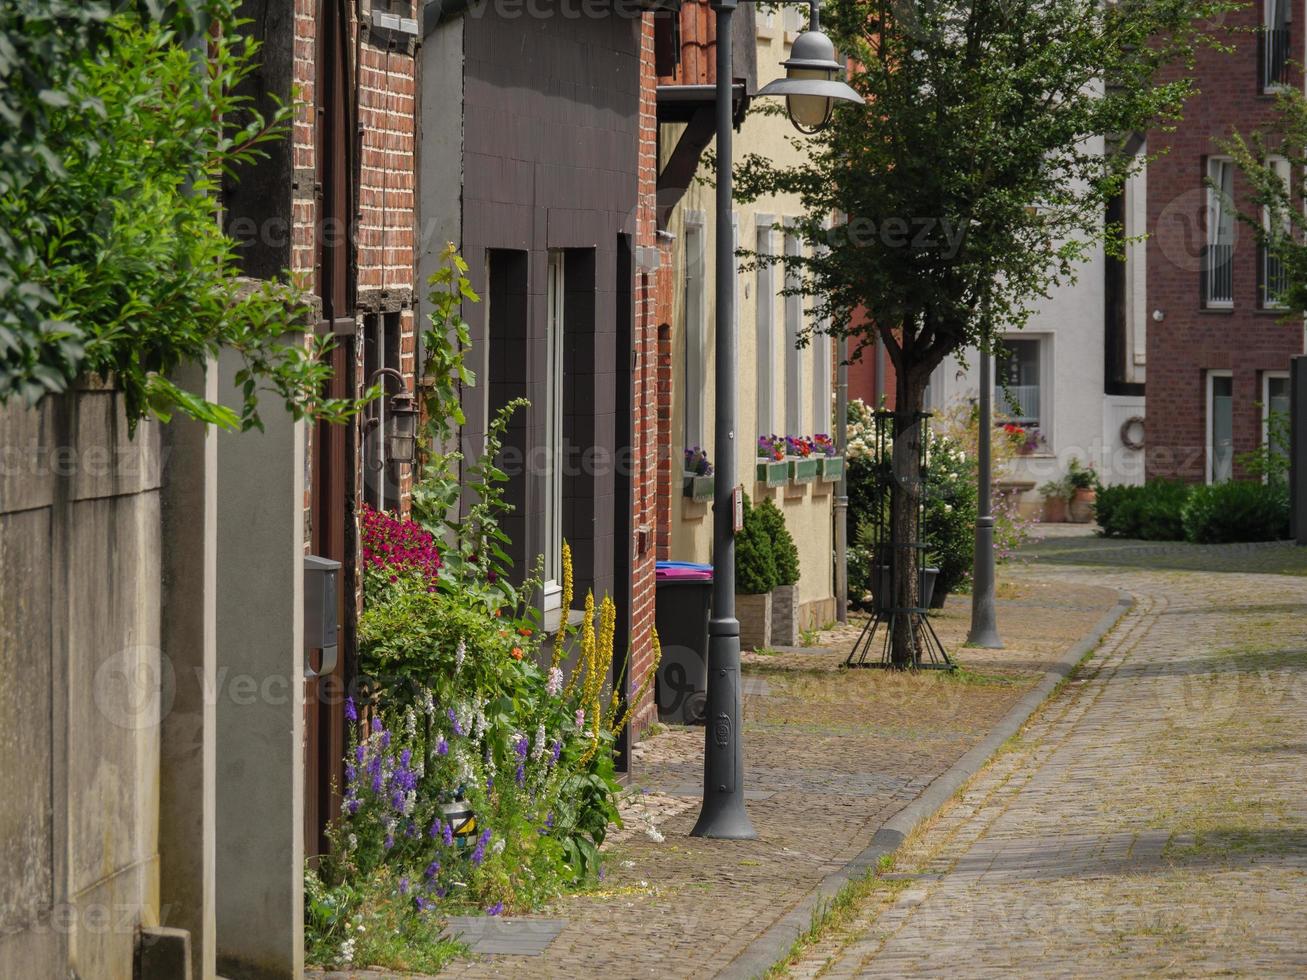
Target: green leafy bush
[(785, 553), (1151, 512), (114, 259), (1237, 511), (755, 563)]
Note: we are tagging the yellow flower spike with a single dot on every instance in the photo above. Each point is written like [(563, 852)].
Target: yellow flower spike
[(587, 649), (643, 689), (568, 585)]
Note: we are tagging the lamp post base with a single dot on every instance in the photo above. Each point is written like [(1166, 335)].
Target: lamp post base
[(723, 815)]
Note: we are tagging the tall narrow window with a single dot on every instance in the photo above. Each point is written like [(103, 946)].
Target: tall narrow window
[(1220, 426), (1271, 275), (1275, 413), (793, 355), (1017, 381), (695, 335), (1274, 43), (380, 351), (821, 381), (1218, 265), (766, 359), (555, 336)]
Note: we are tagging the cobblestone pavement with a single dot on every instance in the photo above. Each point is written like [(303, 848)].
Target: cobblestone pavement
[(829, 756), (1152, 819)]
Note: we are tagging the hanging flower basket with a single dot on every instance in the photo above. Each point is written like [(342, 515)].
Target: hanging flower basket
[(772, 472)]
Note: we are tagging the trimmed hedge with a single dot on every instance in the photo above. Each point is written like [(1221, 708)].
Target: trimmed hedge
[(1166, 510), (1237, 511), (1151, 512)]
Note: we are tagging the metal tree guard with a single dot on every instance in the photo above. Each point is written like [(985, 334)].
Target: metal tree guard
[(929, 651)]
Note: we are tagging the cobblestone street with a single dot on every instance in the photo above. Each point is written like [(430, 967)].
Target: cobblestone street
[(1151, 821)]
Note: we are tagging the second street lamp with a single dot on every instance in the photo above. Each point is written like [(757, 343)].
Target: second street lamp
[(811, 88)]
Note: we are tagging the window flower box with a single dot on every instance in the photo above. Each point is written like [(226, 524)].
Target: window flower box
[(773, 472), (804, 470), (832, 469), (698, 487)]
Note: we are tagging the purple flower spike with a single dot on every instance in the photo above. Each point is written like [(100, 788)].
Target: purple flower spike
[(447, 834), (521, 774), (360, 753), (453, 720), (403, 886), (385, 740), (376, 725), (442, 747), (433, 869), (351, 712), (389, 842), (522, 747), (479, 853), (496, 909), (406, 757)]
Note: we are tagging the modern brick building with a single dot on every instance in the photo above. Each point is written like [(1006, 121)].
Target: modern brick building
[(1218, 347)]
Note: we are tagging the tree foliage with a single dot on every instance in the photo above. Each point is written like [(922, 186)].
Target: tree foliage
[(116, 136), (972, 182)]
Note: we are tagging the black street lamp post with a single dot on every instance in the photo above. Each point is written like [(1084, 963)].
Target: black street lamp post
[(810, 87)]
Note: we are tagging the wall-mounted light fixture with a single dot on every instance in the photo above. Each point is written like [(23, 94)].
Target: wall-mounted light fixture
[(401, 421)]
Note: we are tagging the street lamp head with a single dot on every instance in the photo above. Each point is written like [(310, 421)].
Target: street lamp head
[(811, 85)]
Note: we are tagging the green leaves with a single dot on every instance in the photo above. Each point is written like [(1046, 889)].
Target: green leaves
[(114, 263)]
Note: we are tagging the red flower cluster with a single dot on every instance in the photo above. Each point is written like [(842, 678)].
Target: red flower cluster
[(397, 546)]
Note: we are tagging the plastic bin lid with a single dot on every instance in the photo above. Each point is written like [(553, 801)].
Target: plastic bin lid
[(682, 571)]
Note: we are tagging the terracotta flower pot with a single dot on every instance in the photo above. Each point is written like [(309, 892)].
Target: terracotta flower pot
[(1055, 510), (1082, 506)]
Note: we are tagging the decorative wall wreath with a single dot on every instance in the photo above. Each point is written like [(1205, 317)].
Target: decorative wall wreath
[(1128, 427)]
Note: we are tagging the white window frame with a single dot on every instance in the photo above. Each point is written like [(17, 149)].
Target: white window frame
[(695, 293), (765, 326), (555, 329), (1282, 168), (1210, 460), (1267, 378), (1218, 209), (1268, 25), (793, 309), (1044, 358)]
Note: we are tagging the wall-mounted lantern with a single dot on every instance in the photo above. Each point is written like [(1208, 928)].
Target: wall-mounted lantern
[(401, 421)]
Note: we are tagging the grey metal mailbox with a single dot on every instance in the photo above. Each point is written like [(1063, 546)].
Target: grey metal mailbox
[(321, 630)]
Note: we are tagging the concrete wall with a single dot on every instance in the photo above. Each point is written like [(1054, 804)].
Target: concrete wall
[(83, 686), (807, 508)]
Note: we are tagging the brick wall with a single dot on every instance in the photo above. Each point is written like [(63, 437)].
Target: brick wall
[(646, 436), (1191, 341)]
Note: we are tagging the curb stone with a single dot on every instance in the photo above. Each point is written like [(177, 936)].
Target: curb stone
[(761, 954)]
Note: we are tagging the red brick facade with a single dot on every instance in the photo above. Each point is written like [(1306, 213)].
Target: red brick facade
[(1190, 341)]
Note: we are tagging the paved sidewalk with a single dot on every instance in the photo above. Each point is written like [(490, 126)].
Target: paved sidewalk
[(830, 755), (1152, 821)]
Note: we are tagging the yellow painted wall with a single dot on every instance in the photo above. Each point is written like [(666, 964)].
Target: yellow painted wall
[(808, 508)]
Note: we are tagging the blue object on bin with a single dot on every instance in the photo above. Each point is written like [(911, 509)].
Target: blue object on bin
[(682, 571)]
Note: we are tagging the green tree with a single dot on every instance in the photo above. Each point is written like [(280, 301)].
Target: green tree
[(116, 134), (755, 565), (974, 179)]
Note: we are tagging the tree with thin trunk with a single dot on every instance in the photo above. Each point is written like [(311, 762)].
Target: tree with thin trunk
[(973, 182)]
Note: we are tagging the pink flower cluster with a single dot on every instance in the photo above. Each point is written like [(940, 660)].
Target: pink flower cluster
[(393, 545)]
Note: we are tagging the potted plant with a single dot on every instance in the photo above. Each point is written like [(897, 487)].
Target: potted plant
[(755, 577), (1057, 497), (785, 594), (772, 467), (832, 465), (1084, 484), (697, 479), (804, 466)]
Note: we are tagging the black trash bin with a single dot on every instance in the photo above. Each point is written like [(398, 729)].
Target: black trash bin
[(684, 597)]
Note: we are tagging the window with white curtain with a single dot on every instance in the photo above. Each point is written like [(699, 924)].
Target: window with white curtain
[(1218, 258), (793, 355), (695, 331), (1275, 43)]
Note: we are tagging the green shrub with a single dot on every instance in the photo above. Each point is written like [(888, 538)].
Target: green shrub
[(755, 564), (952, 499), (1151, 512), (1237, 511), (784, 552)]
